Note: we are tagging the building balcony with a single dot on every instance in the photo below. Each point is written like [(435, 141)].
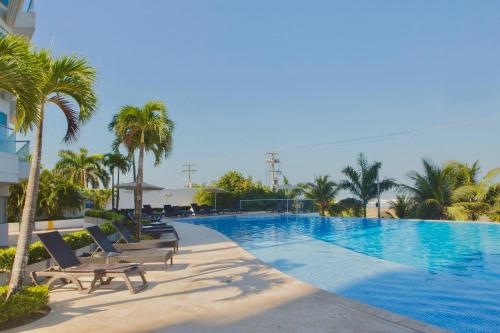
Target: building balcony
[(14, 156), (17, 16)]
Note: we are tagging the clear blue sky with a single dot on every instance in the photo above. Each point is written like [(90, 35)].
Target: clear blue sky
[(243, 77)]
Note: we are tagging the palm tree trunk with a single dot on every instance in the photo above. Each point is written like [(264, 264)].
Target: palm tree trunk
[(113, 189), (138, 191), (28, 215), (134, 172), (364, 209), (118, 190)]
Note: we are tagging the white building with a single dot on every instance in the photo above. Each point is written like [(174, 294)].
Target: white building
[(16, 17), (174, 197)]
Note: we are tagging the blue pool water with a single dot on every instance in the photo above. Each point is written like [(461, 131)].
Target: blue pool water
[(445, 274)]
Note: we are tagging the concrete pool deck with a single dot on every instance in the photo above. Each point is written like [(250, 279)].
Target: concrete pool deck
[(215, 286)]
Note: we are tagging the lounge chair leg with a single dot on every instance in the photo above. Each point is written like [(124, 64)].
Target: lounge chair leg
[(92, 284), (143, 278), (64, 279), (34, 278), (129, 284)]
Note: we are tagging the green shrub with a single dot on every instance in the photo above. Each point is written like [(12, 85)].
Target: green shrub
[(24, 302), (7, 258), (104, 214), (37, 252)]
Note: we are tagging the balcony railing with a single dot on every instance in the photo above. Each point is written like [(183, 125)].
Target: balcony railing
[(9, 144)]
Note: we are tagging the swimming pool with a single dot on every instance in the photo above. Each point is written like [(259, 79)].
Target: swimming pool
[(443, 273)]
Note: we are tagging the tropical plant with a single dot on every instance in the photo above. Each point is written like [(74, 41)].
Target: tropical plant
[(348, 207), (99, 196), (63, 81), (472, 197), (82, 168), (19, 75), (362, 182), (461, 173), (432, 190), (323, 192), (148, 129), (15, 202), (120, 163), (57, 194), (402, 207)]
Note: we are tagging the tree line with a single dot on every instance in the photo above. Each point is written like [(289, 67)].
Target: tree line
[(453, 191)]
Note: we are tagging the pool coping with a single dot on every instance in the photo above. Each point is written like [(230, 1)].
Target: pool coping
[(343, 301), (261, 214)]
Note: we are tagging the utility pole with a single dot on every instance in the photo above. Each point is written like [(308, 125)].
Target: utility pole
[(273, 162), (378, 194), (188, 168)]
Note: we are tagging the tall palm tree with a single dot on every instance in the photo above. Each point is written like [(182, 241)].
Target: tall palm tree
[(82, 168), (362, 182), (432, 190), (121, 163), (19, 75), (63, 82), (148, 129), (323, 191)]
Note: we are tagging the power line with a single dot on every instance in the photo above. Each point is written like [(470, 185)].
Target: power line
[(373, 138), (190, 171)]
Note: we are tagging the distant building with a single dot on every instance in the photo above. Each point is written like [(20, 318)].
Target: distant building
[(16, 17)]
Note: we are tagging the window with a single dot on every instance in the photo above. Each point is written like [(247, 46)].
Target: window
[(3, 210), (3, 119)]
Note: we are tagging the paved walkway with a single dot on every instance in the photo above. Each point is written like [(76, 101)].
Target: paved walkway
[(215, 286)]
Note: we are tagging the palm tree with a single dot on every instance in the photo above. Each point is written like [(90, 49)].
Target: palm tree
[(149, 129), (19, 75), (82, 168), (403, 207), (323, 191), (63, 81), (472, 197), (362, 183), (462, 173), (116, 161), (432, 190)]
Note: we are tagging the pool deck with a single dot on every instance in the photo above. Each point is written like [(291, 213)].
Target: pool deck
[(215, 286)]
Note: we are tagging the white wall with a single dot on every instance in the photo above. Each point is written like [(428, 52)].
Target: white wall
[(175, 197), (9, 168), (4, 232), (57, 224)]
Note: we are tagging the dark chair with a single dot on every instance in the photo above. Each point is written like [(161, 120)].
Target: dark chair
[(168, 211), (181, 211), (70, 269), (198, 210), (154, 228), (149, 213), (132, 244), (113, 254)]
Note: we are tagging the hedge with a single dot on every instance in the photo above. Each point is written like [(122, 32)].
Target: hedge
[(22, 303), (75, 240), (104, 214)]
